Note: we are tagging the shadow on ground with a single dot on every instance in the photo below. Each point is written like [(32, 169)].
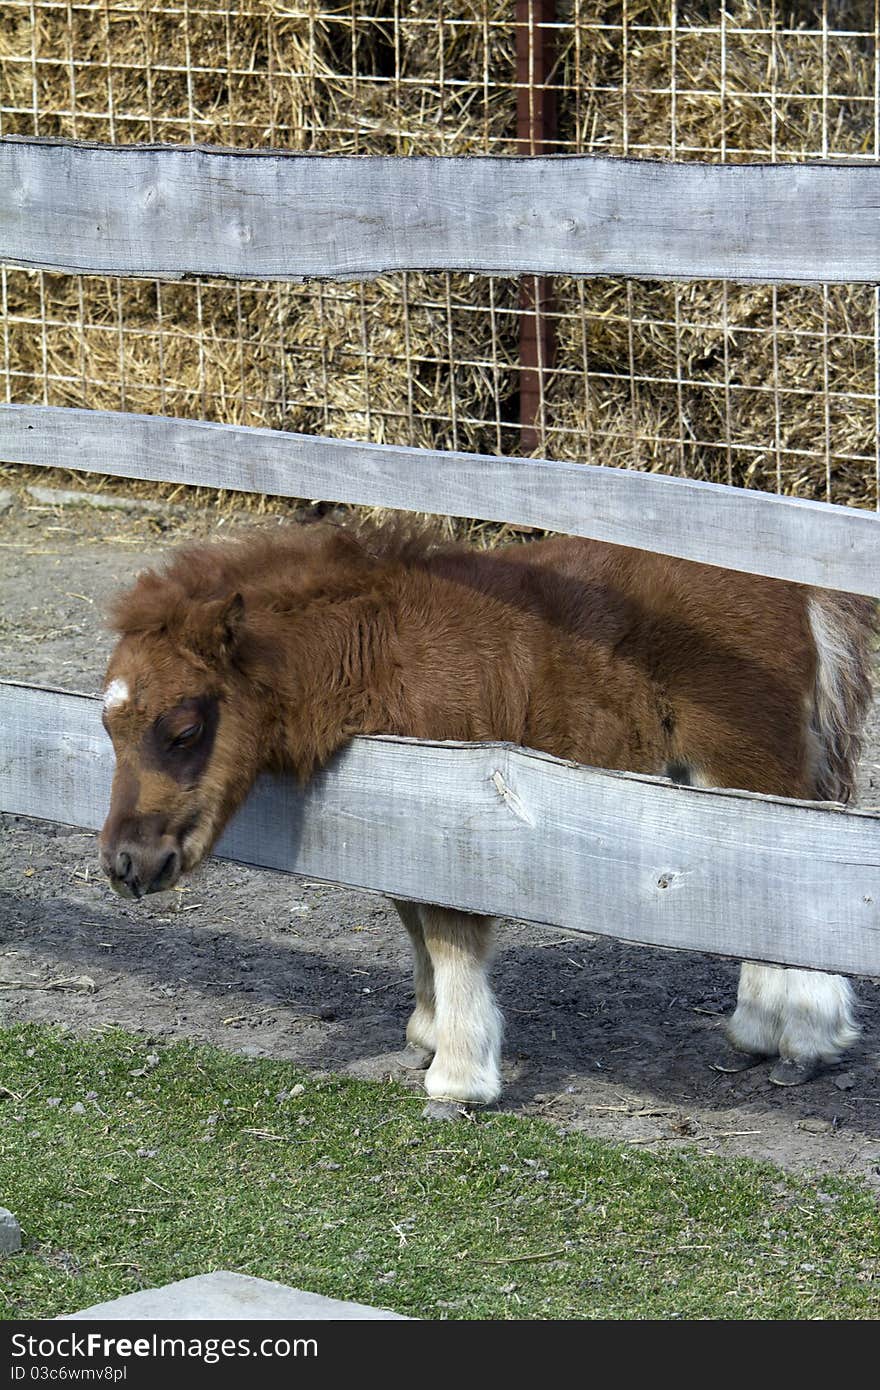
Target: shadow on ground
[(601, 1036)]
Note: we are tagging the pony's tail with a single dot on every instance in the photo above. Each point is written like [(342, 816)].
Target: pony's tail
[(845, 628)]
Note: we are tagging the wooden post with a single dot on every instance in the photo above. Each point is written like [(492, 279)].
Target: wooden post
[(535, 134)]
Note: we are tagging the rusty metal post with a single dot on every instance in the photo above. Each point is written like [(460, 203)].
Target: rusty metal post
[(536, 135)]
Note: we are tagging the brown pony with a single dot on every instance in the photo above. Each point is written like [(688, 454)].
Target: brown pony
[(270, 653)]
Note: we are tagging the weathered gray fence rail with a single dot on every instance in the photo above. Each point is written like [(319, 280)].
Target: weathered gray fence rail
[(499, 830), (170, 212), (785, 537)]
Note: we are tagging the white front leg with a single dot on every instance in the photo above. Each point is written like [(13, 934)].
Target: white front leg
[(467, 1061)]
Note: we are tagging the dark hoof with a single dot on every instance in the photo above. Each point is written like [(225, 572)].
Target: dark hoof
[(445, 1110), (788, 1073), (730, 1060), (415, 1058)]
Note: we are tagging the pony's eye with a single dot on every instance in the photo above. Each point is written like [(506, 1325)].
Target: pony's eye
[(187, 736)]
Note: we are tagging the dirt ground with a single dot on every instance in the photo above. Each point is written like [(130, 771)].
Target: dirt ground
[(603, 1037)]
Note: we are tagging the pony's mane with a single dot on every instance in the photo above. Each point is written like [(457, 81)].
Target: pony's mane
[(269, 566)]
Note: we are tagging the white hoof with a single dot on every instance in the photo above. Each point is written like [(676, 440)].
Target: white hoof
[(447, 1110), (415, 1058)]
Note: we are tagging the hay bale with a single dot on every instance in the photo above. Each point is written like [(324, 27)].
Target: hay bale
[(405, 360), (742, 384), (725, 383)]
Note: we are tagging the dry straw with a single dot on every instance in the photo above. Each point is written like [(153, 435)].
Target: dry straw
[(763, 387)]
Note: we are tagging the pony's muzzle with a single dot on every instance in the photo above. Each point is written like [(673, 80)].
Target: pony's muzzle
[(137, 869)]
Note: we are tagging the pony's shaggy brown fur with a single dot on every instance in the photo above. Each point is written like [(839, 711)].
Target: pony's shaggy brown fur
[(272, 652)]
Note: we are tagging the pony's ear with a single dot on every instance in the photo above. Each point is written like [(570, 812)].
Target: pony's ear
[(213, 629)]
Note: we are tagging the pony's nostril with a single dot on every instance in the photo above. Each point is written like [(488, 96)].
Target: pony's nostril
[(167, 869), (143, 869)]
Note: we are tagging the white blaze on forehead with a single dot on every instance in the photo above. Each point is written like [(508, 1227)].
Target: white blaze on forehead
[(116, 694)]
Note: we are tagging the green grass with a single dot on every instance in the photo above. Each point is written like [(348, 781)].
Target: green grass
[(185, 1159)]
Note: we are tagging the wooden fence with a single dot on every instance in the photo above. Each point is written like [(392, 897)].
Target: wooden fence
[(485, 827)]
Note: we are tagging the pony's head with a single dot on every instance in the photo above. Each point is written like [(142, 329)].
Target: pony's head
[(255, 654), (187, 729)]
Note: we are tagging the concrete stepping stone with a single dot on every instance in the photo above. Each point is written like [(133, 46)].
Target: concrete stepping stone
[(10, 1233), (224, 1295)]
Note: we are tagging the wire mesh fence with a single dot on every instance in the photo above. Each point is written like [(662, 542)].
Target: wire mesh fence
[(768, 387)]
